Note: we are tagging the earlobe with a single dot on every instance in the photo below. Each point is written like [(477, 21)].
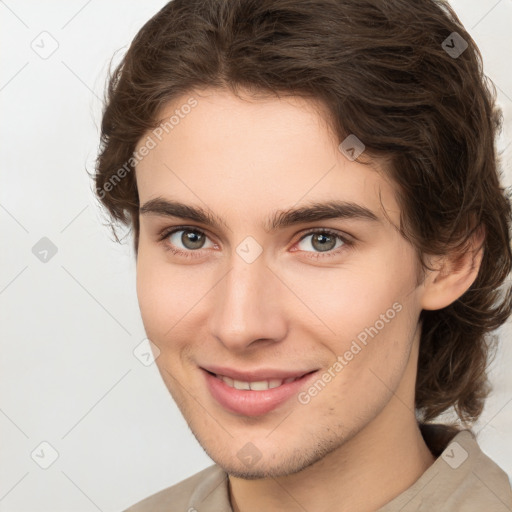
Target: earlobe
[(453, 274)]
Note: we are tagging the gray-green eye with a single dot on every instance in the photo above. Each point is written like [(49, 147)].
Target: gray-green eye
[(321, 241), (188, 239)]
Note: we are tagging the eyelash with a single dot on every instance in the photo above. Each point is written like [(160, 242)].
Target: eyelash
[(190, 253)]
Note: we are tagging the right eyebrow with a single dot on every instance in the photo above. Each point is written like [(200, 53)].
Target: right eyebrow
[(168, 208)]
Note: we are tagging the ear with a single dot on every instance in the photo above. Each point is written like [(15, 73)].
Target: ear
[(453, 274)]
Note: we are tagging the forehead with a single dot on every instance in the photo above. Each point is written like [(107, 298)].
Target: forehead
[(247, 155)]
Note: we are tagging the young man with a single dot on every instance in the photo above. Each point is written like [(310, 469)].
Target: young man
[(321, 242)]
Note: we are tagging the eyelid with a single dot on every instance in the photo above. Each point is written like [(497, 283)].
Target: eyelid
[(166, 232), (343, 235)]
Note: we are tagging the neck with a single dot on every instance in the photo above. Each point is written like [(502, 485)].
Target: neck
[(385, 461)]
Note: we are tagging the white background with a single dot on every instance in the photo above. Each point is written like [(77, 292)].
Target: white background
[(69, 326)]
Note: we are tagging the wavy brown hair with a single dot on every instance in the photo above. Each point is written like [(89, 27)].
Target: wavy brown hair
[(381, 70)]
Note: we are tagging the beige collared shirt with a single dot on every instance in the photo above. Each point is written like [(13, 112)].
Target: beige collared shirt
[(462, 479)]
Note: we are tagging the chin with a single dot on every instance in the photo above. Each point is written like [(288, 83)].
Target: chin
[(273, 465)]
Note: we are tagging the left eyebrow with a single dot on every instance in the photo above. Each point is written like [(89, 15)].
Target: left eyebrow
[(320, 211), (279, 219)]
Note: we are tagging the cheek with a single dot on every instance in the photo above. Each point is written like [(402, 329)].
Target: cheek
[(376, 352), (343, 302), (366, 369), (164, 294), (365, 316)]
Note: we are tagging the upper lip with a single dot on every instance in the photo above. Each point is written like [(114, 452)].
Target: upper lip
[(256, 374)]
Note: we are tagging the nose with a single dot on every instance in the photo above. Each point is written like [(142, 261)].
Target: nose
[(247, 309)]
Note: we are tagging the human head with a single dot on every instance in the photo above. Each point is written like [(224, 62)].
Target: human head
[(380, 71)]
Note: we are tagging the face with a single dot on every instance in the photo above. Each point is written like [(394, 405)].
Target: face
[(315, 311)]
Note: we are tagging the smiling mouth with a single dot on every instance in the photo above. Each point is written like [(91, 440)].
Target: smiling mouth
[(254, 392), (259, 385)]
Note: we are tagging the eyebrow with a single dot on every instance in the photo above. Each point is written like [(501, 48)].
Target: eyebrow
[(279, 219)]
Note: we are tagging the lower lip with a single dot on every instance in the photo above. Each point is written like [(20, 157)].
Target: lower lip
[(253, 403)]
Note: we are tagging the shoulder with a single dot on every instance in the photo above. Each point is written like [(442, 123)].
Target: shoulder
[(208, 485), (478, 483), (462, 477)]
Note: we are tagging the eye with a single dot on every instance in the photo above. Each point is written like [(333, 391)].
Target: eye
[(185, 241), (323, 241)]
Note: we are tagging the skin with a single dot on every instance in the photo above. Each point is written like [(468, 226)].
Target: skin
[(243, 159)]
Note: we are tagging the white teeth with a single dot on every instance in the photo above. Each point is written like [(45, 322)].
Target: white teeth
[(260, 385), (229, 381), (238, 384)]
